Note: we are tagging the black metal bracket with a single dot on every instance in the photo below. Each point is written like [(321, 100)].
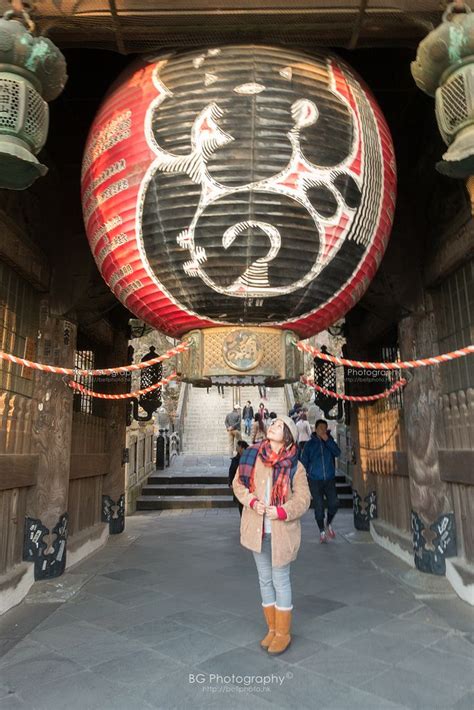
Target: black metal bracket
[(52, 564)]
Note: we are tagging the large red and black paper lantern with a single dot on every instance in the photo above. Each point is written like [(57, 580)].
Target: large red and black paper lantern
[(239, 185)]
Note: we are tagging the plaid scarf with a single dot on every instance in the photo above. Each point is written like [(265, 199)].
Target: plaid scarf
[(283, 463)]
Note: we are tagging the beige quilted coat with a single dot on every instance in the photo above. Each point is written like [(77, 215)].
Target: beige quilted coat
[(286, 534)]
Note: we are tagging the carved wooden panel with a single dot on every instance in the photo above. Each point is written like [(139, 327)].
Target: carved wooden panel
[(457, 466), (12, 516), (89, 465), (454, 316), (463, 497), (457, 412), (393, 501), (383, 460), (85, 498), (88, 434), (18, 470), (15, 423), (19, 312)]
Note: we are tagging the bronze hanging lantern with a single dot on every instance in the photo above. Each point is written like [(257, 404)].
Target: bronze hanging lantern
[(32, 72), (444, 68), (325, 376), (149, 376)]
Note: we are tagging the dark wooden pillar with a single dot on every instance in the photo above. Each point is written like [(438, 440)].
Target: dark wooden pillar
[(433, 524), (364, 492), (113, 490), (46, 524)]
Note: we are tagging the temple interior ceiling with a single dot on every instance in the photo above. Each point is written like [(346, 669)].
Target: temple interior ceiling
[(131, 26)]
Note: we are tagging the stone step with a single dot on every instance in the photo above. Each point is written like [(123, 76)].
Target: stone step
[(167, 502), (189, 490), (344, 491), (345, 500), (145, 502), (186, 480)]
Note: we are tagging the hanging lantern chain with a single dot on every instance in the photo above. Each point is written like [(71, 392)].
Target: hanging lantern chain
[(18, 11)]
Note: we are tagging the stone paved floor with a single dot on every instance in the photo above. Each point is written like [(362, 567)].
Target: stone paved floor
[(175, 600)]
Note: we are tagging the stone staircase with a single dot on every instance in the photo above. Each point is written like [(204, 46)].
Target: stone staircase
[(165, 492), (344, 492), (198, 483), (205, 431), (198, 477)]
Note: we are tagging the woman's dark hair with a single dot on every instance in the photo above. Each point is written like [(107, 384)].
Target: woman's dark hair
[(243, 444), (256, 417), (287, 437), (272, 415)]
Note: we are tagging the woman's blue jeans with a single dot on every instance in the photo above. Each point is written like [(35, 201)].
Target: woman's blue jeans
[(275, 584)]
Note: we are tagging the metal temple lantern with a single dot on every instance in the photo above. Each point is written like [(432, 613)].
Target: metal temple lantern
[(444, 68), (151, 401), (325, 376), (247, 188), (32, 72)]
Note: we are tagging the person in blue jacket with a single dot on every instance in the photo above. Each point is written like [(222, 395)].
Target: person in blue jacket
[(318, 458)]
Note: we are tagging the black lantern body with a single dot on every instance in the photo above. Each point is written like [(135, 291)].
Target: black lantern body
[(325, 376), (149, 376)]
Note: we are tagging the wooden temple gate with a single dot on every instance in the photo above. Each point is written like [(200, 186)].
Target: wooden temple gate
[(62, 480), (62, 456)]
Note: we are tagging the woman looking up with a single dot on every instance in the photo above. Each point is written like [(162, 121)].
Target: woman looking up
[(271, 485)]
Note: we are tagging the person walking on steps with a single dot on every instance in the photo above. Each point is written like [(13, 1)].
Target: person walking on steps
[(247, 416), (271, 484), (263, 411), (304, 432), (234, 465), (233, 424), (258, 431), (318, 458)]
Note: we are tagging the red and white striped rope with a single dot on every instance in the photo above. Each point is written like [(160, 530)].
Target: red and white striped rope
[(181, 347), (126, 395), (401, 365), (349, 398)]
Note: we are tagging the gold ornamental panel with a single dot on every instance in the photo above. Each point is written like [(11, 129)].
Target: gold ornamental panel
[(241, 355)]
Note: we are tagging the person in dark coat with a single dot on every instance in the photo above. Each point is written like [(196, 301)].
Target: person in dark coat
[(234, 465), (295, 410), (247, 416), (318, 458)]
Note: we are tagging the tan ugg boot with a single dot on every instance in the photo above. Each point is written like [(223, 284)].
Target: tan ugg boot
[(282, 638), (269, 613)]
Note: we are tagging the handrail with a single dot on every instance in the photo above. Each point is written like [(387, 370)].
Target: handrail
[(290, 397), (181, 411)]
